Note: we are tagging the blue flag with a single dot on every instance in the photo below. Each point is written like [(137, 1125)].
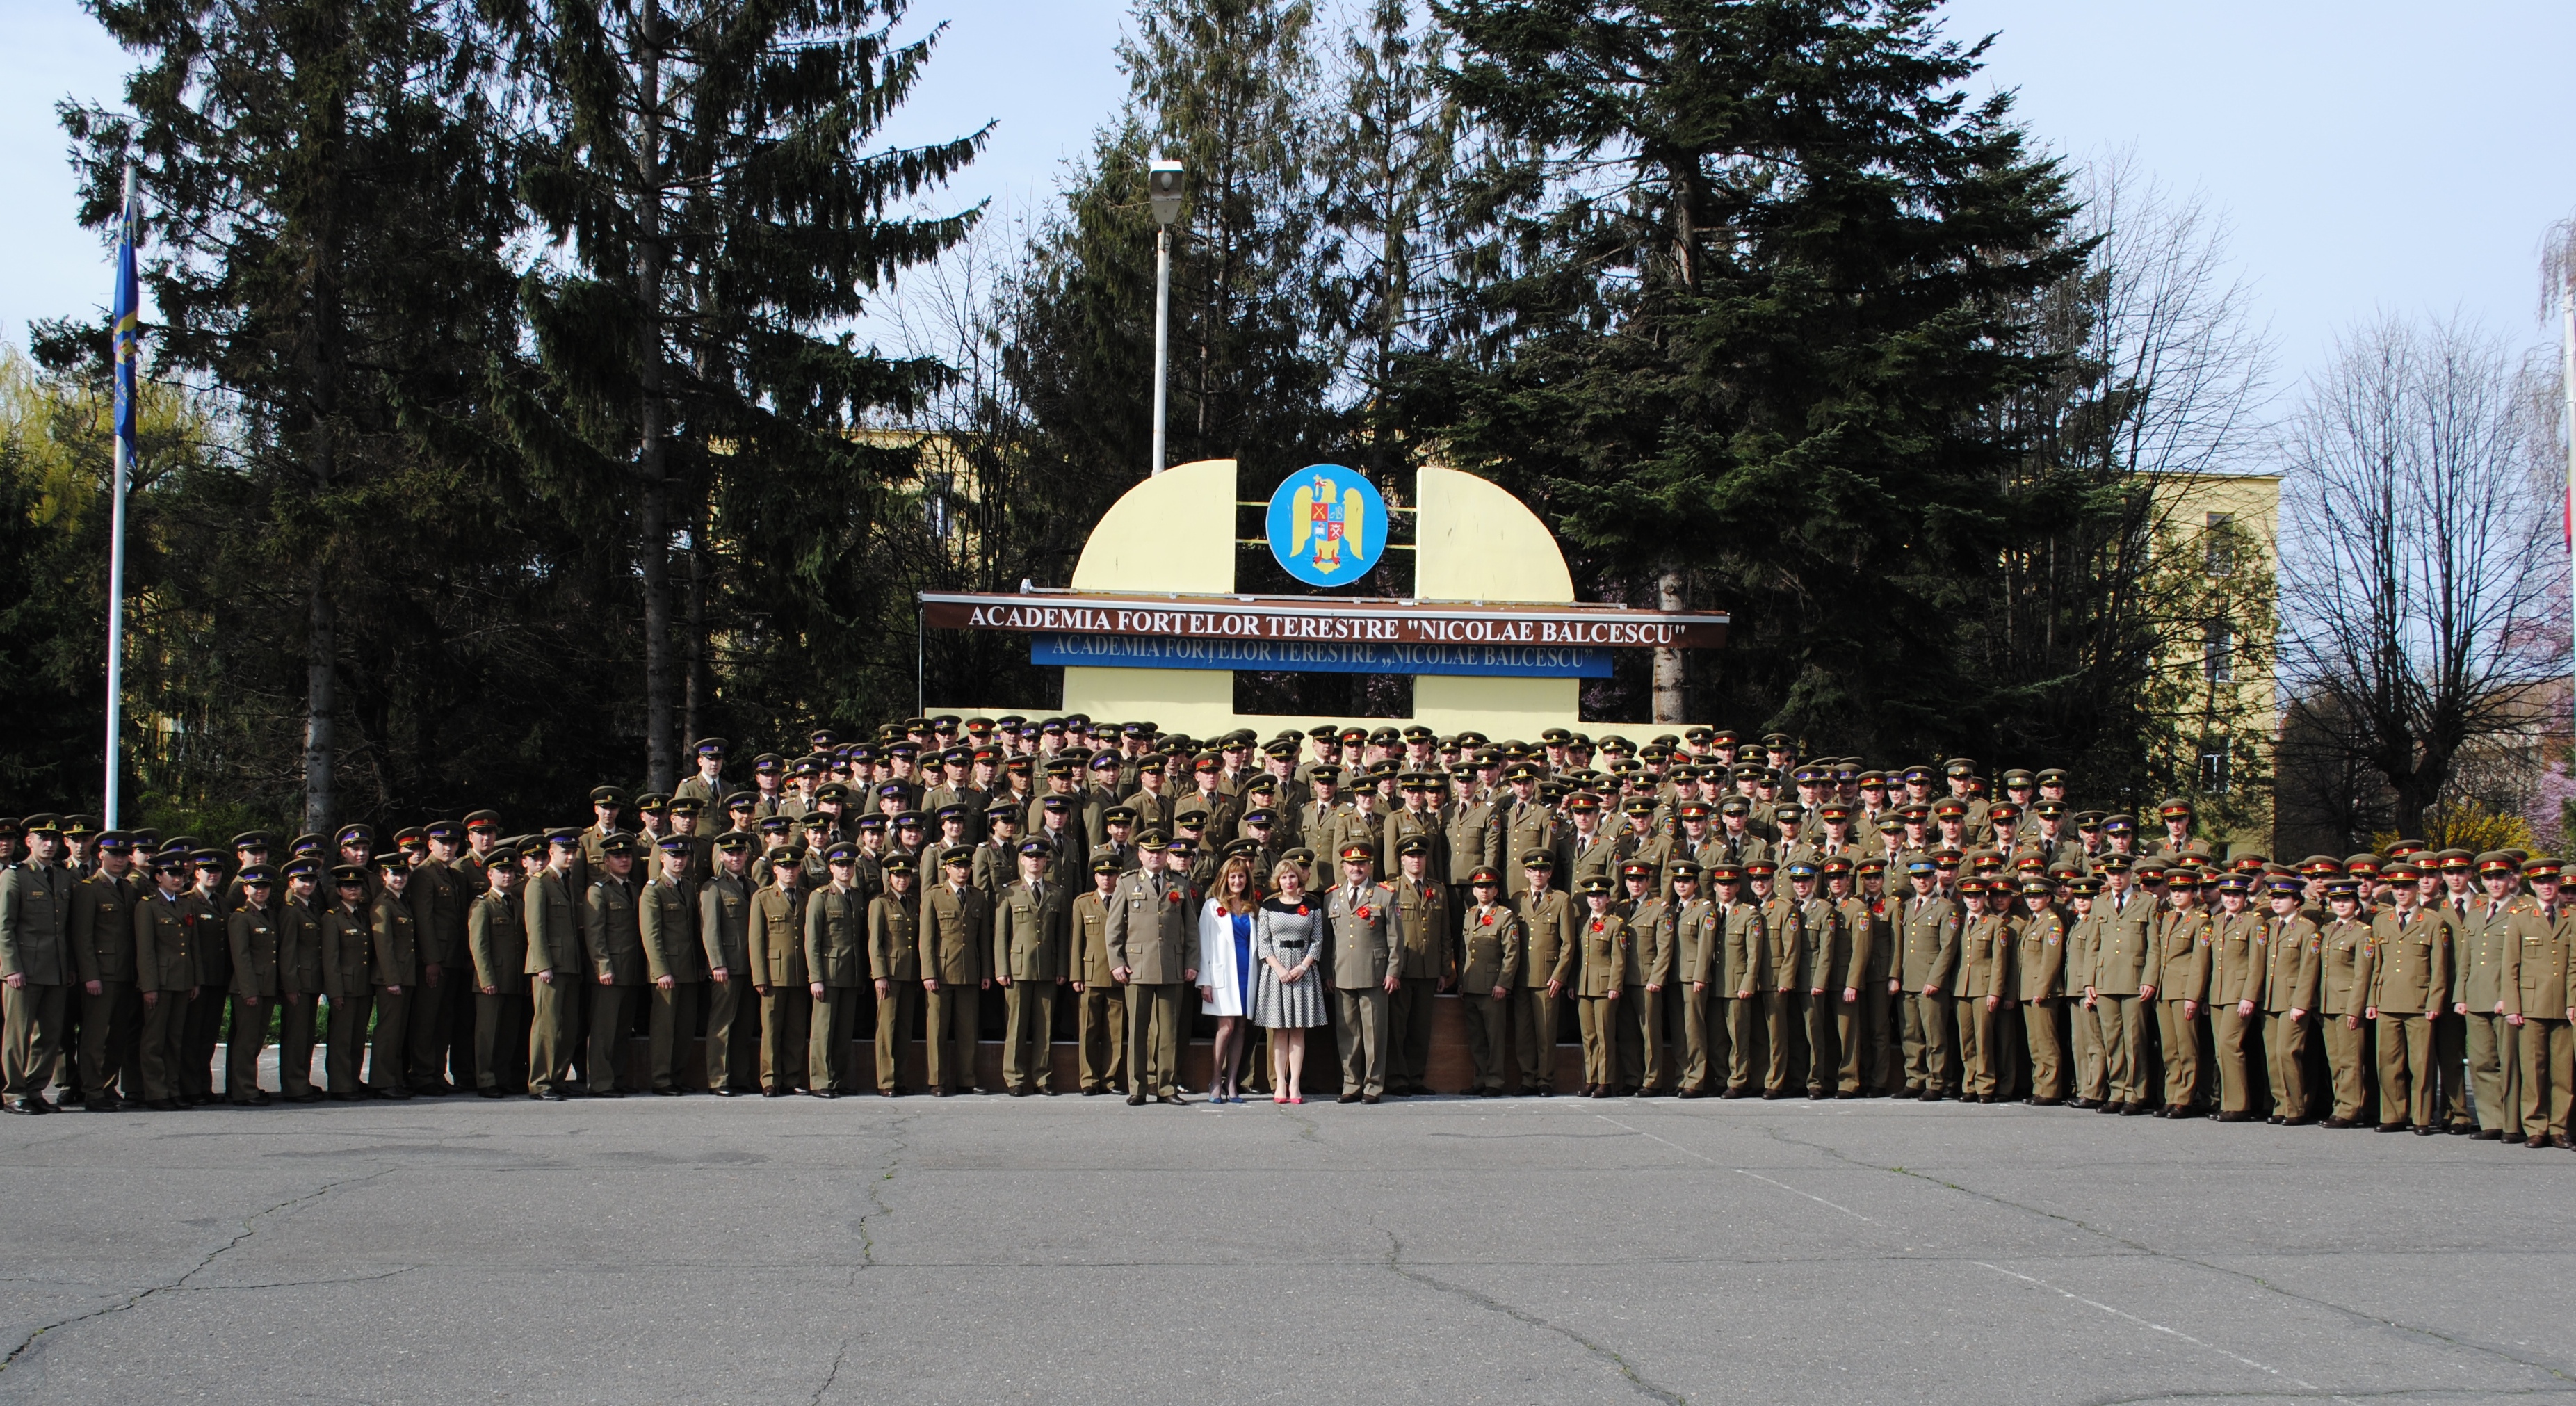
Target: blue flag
[(128, 314)]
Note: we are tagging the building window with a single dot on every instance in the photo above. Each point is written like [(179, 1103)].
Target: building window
[(2218, 652), (935, 489), (2218, 543), (2213, 766)]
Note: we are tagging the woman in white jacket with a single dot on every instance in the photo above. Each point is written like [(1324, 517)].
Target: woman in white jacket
[(1225, 971)]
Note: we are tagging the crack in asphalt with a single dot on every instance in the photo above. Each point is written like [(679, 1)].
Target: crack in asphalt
[(2087, 1227), (250, 1227), (832, 1376), (875, 1189), (1627, 1372)]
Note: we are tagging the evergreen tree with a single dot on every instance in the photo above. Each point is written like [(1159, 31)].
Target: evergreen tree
[(703, 165), (1748, 280)]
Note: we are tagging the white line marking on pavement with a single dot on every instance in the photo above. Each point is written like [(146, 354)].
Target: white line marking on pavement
[(2143, 1323), (1739, 1171)]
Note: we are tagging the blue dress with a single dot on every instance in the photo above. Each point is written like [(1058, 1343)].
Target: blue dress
[(1243, 960)]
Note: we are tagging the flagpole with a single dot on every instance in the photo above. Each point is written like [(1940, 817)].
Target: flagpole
[(126, 391)]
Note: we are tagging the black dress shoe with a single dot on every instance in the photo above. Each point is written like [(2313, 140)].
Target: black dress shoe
[(2392, 1127), (555, 1096), (2562, 1142), (162, 1105), (1348, 1098), (1364, 1098), (825, 1093), (773, 1093), (2427, 1130), (725, 1091), (489, 1093), (1134, 1100), (2331, 1122), (2133, 1110), (1093, 1093), (2489, 1135), (2461, 1129), (2276, 1120), (2049, 1102)]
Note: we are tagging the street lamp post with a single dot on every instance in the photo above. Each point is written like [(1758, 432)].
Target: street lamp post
[(1164, 183)]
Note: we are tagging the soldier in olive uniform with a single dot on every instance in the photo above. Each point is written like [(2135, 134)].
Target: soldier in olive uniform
[(1364, 966), (2543, 988), (212, 1003), (1425, 964), (1600, 982), (166, 973), (2041, 965), (612, 935), (348, 967), (1650, 918), (1153, 935), (2410, 986), (393, 971), (835, 967), (1030, 938), (1931, 926), (496, 952), (300, 982), (1100, 1015), (667, 921), (1698, 928), (724, 940), (252, 932), (1826, 985), (2347, 966), (1489, 962), (1979, 981), (955, 928), (2239, 947), (2092, 1083), (777, 941), (438, 899), (102, 946), (2290, 965), (1549, 924), (894, 967), (2122, 989), (2482, 964), (551, 914)]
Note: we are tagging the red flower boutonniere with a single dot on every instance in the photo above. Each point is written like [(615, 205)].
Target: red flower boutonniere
[(1487, 920), (1596, 925), (1366, 912), (1175, 895), (1301, 910)]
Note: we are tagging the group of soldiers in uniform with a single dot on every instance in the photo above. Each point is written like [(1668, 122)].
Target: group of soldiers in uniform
[(1713, 915)]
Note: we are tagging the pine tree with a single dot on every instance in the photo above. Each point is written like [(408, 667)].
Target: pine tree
[(704, 165), (1749, 274)]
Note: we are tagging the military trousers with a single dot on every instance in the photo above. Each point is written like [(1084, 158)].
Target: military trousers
[(2405, 1069), (1408, 1018), (2178, 1042), (1359, 1027), (1156, 1030), (243, 1040), (2548, 1063), (2345, 1039), (831, 1028), (1927, 1043), (1028, 1035), (1653, 1012), (1692, 1059), (784, 1014), (895, 1019), (733, 1054), (672, 1027), (425, 1025), (1977, 1047), (388, 1056), (1534, 1036), (296, 1015), (348, 1040), (1594, 1016), (1882, 1064), (1746, 1050), (2450, 1068), (500, 1042), (612, 1007), (2092, 1080), (2285, 1051), (1784, 1040), (1100, 1035), (2046, 1045), (162, 1044), (950, 1016), (2235, 1071), (2494, 1059), (206, 1011), (1487, 1020), (110, 1029), (1851, 1040), (554, 1017), (35, 1033), (1824, 1041), (2120, 1022)]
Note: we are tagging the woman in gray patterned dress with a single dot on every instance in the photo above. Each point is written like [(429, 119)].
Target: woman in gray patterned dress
[(1287, 992)]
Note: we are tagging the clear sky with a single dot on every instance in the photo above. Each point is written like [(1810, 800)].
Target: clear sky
[(2371, 156)]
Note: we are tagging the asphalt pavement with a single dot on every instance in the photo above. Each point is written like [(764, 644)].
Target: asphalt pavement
[(1077, 1250)]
